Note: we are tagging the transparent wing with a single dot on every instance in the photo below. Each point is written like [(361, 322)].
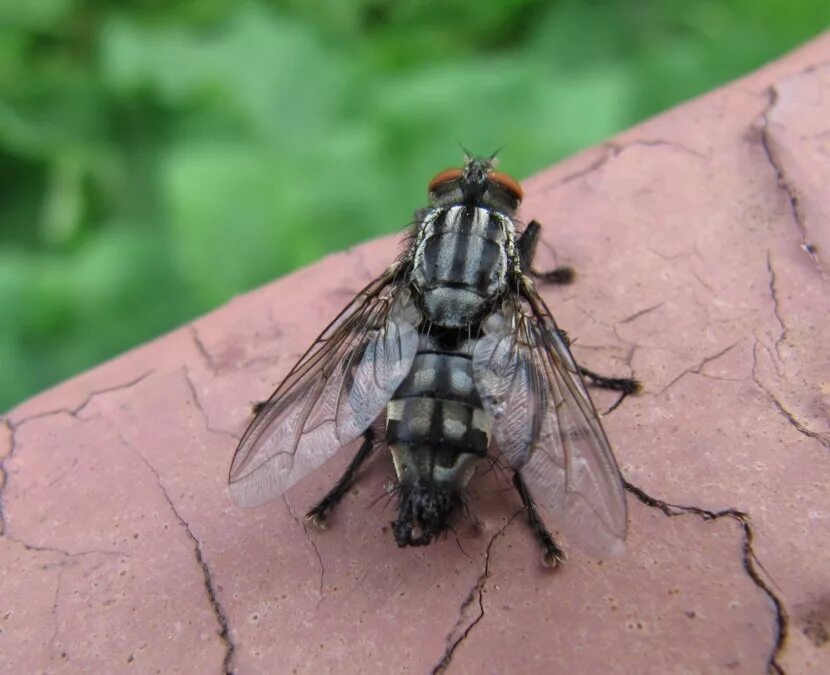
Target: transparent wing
[(547, 428), (333, 394)]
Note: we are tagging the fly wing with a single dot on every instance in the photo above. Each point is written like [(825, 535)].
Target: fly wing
[(510, 388), (333, 394), (547, 427)]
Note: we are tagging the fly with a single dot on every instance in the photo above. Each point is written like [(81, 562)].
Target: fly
[(448, 358)]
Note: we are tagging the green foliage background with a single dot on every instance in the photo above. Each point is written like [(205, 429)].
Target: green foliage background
[(157, 157)]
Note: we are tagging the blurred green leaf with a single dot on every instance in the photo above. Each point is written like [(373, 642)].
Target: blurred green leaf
[(38, 15)]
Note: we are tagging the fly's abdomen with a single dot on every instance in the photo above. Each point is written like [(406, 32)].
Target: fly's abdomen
[(436, 426), (460, 264)]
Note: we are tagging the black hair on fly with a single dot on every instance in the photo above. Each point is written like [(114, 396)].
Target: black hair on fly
[(425, 510)]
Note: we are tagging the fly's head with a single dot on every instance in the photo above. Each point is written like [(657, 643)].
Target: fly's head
[(477, 184), (429, 488)]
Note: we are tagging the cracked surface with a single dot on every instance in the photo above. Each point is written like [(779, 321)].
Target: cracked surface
[(750, 560), (210, 585), (313, 545), (475, 602), (95, 568), (700, 241)]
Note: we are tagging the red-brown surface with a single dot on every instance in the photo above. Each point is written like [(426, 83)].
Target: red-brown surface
[(692, 238)]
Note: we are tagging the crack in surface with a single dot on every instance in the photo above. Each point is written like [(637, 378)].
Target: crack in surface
[(198, 403), (76, 411), (612, 149), (106, 390), (55, 598), (61, 551), (217, 370), (696, 369), (61, 564), (65, 555), (207, 357), (752, 565), (642, 312), (648, 142), (14, 425), (57, 479), (784, 184), (314, 546), (773, 290), (700, 280), (454, 639), (800, 426), (210, 588), (670, 257)]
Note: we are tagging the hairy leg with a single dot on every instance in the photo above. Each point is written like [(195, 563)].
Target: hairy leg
[(320, 511), (624, 385), (527, 243), (553, 553)]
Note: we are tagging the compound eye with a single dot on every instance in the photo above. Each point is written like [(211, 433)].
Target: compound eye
[(508, 184), (446, 176)]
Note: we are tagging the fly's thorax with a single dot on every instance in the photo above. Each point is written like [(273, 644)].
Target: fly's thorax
[(461, 261)]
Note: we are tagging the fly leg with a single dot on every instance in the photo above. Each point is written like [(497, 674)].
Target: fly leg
[(320, 511), (527, 244), (554, 555), (624, 385)]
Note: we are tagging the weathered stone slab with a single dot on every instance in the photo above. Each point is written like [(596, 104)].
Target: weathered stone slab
[(701, 241)]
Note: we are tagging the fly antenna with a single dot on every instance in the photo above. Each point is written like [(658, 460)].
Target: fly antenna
[(468, 156)]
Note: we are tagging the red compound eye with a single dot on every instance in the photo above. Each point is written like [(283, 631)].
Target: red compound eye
[(507, 183), (446, 176)]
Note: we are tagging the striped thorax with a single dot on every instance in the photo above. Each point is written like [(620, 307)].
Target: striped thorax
[(461, 263)]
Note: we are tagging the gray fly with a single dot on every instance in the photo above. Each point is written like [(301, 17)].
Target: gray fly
[(449, 358)]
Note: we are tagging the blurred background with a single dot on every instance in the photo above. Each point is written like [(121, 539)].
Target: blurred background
[(158, 157)]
